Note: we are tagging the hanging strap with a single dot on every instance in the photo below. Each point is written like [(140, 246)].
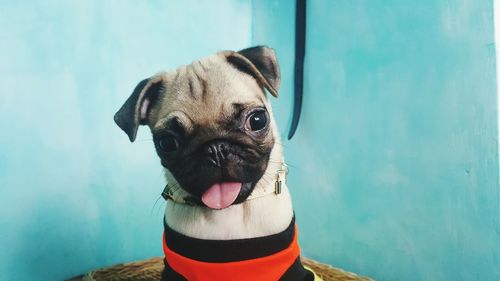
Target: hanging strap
[(300, 51)]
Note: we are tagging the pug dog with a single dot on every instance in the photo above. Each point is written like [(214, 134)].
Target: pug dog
[(229, 214)]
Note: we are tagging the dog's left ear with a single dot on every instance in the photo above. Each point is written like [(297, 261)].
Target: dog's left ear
[(261, 63), (134, 111)]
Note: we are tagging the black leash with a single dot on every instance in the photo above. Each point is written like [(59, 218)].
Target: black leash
[(300, 50)]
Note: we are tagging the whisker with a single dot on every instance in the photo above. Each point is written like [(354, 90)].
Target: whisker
[(265, 180), (287, 163), (154, 205), (279, 162), (282, 144), (159, 209)]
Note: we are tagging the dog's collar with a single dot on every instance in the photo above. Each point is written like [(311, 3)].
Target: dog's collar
[(178, 195)]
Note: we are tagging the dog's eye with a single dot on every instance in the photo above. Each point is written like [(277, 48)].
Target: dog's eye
[(168, 144), (256, 121)]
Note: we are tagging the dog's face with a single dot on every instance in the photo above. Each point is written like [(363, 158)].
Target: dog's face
[(211, 123)]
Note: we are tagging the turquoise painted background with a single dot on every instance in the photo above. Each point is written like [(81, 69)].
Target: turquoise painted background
[(76, 194), (394, 169)]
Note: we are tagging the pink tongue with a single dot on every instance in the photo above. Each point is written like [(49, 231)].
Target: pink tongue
[(221, 195)]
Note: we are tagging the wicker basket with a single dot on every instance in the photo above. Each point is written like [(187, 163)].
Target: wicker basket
[(150, 269)]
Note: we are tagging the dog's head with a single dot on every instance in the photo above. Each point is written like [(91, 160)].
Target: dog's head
[(211, 123)]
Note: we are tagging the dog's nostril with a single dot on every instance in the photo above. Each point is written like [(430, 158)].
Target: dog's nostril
[(212, 155), (217, 153), (222, 150)]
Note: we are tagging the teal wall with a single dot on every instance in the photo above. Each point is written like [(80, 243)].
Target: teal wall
[(75, 194), (394, 168)]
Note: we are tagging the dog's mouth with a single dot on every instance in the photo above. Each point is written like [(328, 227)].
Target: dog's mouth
[(224, 194)]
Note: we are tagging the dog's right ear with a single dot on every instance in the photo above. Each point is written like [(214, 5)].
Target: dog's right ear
[(134, 111)]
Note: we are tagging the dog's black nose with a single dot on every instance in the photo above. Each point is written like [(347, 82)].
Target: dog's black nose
[(217, 152)]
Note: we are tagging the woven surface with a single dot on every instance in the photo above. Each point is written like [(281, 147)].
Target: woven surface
[(150, 269)]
